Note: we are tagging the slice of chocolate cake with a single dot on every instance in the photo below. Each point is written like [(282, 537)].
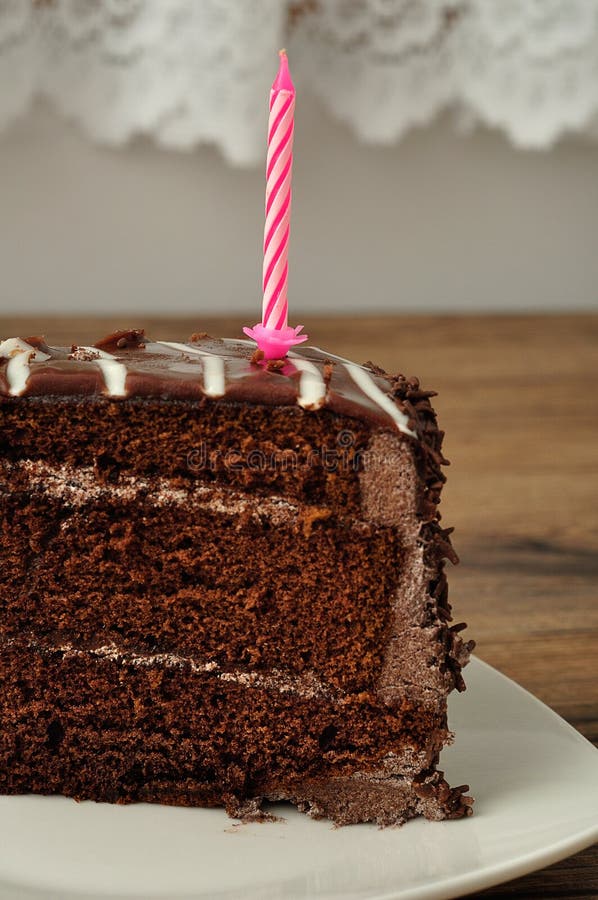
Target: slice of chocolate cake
[(222, 581)]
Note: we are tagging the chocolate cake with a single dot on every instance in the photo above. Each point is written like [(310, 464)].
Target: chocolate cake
[(223, 581)]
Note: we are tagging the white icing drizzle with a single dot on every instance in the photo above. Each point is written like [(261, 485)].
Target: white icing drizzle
[(12, 346), (115, 376), (213, 376), (19, 354), (312, 387), (331, 355), (113, 371), (17, 372), (214, 383), (173, 345), (364, 380)]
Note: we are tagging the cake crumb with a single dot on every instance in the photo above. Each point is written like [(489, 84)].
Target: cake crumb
[(83, 355), (311, 516), (128, 338), (327, 372), (39, 342)]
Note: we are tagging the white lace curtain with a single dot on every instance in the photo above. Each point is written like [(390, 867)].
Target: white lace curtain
[(193, 71)]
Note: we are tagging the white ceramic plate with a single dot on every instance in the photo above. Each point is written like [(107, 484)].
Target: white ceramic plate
[(534, 777)]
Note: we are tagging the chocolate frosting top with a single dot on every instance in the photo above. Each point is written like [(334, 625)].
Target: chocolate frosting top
[(126, 364)]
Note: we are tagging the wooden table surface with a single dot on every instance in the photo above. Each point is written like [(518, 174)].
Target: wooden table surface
[(518, 398)]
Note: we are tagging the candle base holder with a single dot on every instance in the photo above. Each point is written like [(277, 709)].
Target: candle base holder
[(275, 343)]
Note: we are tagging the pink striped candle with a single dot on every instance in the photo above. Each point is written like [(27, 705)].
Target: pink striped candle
[(273, 335)]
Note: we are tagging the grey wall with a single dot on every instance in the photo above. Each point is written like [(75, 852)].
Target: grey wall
[(440, 222)]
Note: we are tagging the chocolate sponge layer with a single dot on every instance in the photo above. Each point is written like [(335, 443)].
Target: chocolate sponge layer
[(302, 593), (283, 450), (116, 730)]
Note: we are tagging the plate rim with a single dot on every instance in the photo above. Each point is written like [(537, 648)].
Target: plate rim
[(516, 867)]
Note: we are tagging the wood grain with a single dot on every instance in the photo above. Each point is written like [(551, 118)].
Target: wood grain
[(518, 398)]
